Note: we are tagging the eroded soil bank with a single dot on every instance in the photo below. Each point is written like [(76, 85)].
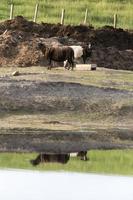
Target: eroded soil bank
[(62, 96)]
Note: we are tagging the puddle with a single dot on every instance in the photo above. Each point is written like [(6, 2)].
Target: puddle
[(35, 185)]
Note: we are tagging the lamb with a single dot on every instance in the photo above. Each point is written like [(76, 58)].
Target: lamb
[(83, 52)]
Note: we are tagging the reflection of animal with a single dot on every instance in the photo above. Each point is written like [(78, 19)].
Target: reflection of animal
[(83, 52), (58, 54), (82, 155), (46, 157)]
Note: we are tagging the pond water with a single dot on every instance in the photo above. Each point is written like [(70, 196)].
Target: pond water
[(35, 185)]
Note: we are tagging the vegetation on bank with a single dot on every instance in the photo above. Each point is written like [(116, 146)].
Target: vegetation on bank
[(109, 162), (100, 12)]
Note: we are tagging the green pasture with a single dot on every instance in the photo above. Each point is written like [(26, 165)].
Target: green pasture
[(100, 12), (100, 161)]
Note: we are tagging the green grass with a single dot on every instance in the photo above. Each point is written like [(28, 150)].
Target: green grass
[(100, 12), (110, 162)]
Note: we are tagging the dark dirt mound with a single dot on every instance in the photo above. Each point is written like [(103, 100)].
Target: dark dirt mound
[(105, 37), (111, 57), (112, 48)]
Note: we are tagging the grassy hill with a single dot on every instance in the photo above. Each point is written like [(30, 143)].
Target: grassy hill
[(100, 12)]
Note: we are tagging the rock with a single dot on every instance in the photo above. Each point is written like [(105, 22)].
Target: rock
[(15, 73)]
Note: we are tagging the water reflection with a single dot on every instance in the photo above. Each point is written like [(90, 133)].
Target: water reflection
[(34, 185)]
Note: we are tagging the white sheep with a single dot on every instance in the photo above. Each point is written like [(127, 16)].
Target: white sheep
[(81, 51)]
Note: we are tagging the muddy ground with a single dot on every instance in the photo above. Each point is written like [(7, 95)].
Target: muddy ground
[(64, 111), (112, 48), (61, 96)]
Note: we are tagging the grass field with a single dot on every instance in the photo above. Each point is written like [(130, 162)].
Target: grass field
[(110, 162), (100, 13)]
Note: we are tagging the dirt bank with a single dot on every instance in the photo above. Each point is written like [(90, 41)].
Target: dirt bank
[(60, 111), (112, 48), (39, 140), (62, 96)]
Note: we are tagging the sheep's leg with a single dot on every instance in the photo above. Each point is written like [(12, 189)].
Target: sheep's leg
[(65, 64), (85, 158), (49, 65), (69, 66), (72, 64), (37, 160), (84, 59)]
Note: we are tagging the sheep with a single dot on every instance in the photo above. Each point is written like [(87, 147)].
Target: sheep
[(48, 157), (83, 52), (82, 155), (58, 54), (59, 158)]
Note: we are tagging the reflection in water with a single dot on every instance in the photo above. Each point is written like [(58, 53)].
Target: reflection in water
[(34, 185)]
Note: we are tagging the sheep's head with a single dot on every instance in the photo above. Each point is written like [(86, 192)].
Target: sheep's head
[(42, 47), (89, 46), (87, 49)]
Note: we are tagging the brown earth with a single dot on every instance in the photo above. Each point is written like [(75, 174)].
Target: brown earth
[(99, 105), (112, 48), (61, 96)]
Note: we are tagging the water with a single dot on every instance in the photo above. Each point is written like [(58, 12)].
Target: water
[(34, 185)]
